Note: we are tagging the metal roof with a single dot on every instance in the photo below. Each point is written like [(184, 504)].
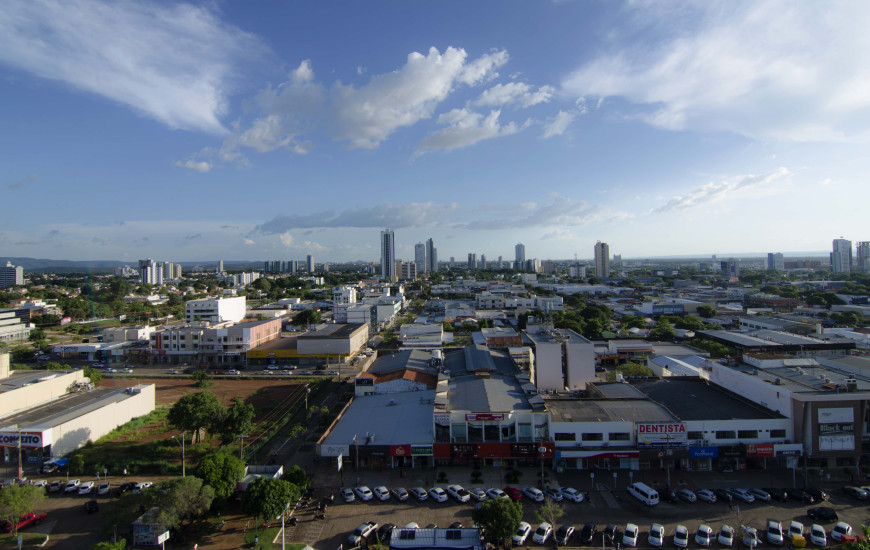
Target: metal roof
[(694, 399), (392, 419), (607, 410), (495, 393)]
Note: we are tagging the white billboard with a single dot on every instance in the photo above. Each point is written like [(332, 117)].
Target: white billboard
[(662, 434)]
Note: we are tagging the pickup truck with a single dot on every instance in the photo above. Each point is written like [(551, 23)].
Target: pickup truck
[(24, 521)]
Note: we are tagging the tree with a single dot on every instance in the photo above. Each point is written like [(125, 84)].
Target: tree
[(706, 311), (203, 379), (221, 470), (92, 373), (117, 545), (629, 369), (37, 337), (500, 519), (237, 421), (196, 411), (662, 331), (550, 512), (16, 501), (182, 498), (297, 476), (266, 497), (306, 317)]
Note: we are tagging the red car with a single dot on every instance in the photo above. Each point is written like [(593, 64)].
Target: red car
[(24, 521), (513, 493)]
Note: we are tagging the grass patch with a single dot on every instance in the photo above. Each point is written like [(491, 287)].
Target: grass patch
[(266, 538), (131, 430), (30, 539)]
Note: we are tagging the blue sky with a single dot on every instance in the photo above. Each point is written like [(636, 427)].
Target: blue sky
[(272, 130)]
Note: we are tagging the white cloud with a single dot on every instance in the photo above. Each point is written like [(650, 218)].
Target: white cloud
[(197, 166), (559, 124), (776, 69), (561, 212), (265, 135), (380, 215), (249, 242), (826, 182), (718, 191), (483, 68), (286, 238), (465, 128), (519, 93), (175, 63)]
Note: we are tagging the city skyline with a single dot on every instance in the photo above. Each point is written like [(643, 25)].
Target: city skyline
[(229, 130)]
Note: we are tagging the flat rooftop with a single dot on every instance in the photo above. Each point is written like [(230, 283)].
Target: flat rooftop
[(284, 342), (415, 359), (21, 378), (495, 393), (379, 414), (556, 335), (332, 331), (693, 399), (607, 410), (67, 408)]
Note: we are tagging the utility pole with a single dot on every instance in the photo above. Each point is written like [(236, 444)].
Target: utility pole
[(20, 466), (241, 446), (183, 467)]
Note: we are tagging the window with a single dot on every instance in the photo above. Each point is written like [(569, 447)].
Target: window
[(747, 434), (566, 437), (777, 434), (695, 435), (621, 436), (593, 437), (726, 434)]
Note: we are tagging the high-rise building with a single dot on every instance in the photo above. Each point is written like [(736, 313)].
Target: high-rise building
[(310, 261), (520, 249), (11, 275), (730, 268), (388, 255), (500, 263), (472, 260), (452, 263), (150, 272), (863, 257), (841, 256), (168, 270), (483, 261), (409, 271), (602, 259), (220, 266), (431, 256), (775, 261), (420, 258)]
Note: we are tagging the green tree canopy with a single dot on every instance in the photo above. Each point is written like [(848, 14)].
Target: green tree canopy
[(195, 412), (221, 470), (307, 317), (500, 518), (297, 476), (237, 421), (706, 311), (92, 373), (267, 497), (16, 501), (662, 331), (180, 499), (108, 545)]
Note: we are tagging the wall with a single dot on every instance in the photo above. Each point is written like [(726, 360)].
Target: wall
[(39, 393), (753, 388), (605, 428), (580, 368), (548, 366)]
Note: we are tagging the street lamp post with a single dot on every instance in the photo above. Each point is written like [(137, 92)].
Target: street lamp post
[(541, 451), (356, 447), (307, 391), (183, 466), (283, 516)]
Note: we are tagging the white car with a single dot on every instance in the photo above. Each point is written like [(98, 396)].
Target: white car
[(704, 535), (726, 536), (774, 532), (522, 534), (534, 494), (686, 495), (706, 495), (554, 494), (438, 494), (419, 493), (760, 494), (362, 532), (412, 525), (363, 492), (381, 493), (818, 536), (141, 487), (72, 486), (542, 533), (840, 530), (478, 494), (103, 489), (681, 536), (233, 372), (569, 493), (400, 493), (750, 536), (347, 495), (495, 493), (86, 488), (795, 528), (629, 536), (459, 493), (40, 483), (656, 535), (742, 494)]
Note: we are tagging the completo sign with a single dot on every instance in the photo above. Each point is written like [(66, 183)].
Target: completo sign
[(28, 439), (662, 434), (484, 417)]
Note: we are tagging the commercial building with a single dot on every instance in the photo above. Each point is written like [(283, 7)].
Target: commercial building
[(841, 256), (12, 328), (408, 271), (11, 275), (862, 263), (334, 344), (420, 258), (501, 337), (150, 272), (388, 255), (403, 371), (775, 261), (564, 360), (215, 310), (422, 335), (431, 256), (520, 262), (218, 343), (602, 260)]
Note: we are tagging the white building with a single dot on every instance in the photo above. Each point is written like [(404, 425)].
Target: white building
[(150, 272), (11, 275), (563, 359), (344, 295), (602, 259), (215, 310), (12, 329), (841, 256)]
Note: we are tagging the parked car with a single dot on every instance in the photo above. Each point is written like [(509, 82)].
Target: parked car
[(629, 536), (726, 536), (459, 493), (401, 494), (126, 487), (234, 372), (777, 494), (669, 495), (455, 525), (412, 525), (795, 535), (656, 535), (72, 486), (818, 536), (384, 531), (818, 494), (840, 531), (569, 493), (86, 488), (363, 492), (139, 487), (686, 495), (381, 493), (542, 533), (92, 506), (742, 495), (438, 494), (610, 534), (513, 493), (54, 487), (103, 488), (419, 493), (760, 494), (706, 495), (774, 532), (522, 534), (681, 536), (801, 496), (563, 534), (554, 494), (478, 494), (495, 493), (362, 532), (172, 371), (823, 513), (750, 536), (704, 535), (534, 494), (856, 493), (724, 495), (24, 521), (587, 533)]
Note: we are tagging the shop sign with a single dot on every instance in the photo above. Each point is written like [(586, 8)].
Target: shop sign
[(334, 450), (762, 450), (703, 452), (732, 451), (840, 428), (442, 419), (530, 450), (421, 450), (400, 450), (28, 439), (365, 382), (463, 450), (662, 434), (785, 449), (484, 417)]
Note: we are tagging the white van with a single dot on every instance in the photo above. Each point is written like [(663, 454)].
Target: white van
[(644, 493)]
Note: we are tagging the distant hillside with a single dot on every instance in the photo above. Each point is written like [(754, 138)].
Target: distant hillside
[(42, 265)]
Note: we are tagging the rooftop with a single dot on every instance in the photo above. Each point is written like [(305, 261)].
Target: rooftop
[(495, 393), (284, 342), (334, 331), (21, 378), (414, 359), (378, 414), (67, 408), (694, 399), (607, 410)]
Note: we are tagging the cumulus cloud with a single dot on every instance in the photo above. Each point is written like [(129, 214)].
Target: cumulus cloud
[(380, 215), (174, 62), (195, 165), (286, 238), (465, 128), (717, 191), (517, 93), (559, 212), (23, 183), (778, 69), (559, 124)]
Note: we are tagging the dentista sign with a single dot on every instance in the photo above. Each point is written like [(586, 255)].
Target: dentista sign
[(662, 434), (28, 439)]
